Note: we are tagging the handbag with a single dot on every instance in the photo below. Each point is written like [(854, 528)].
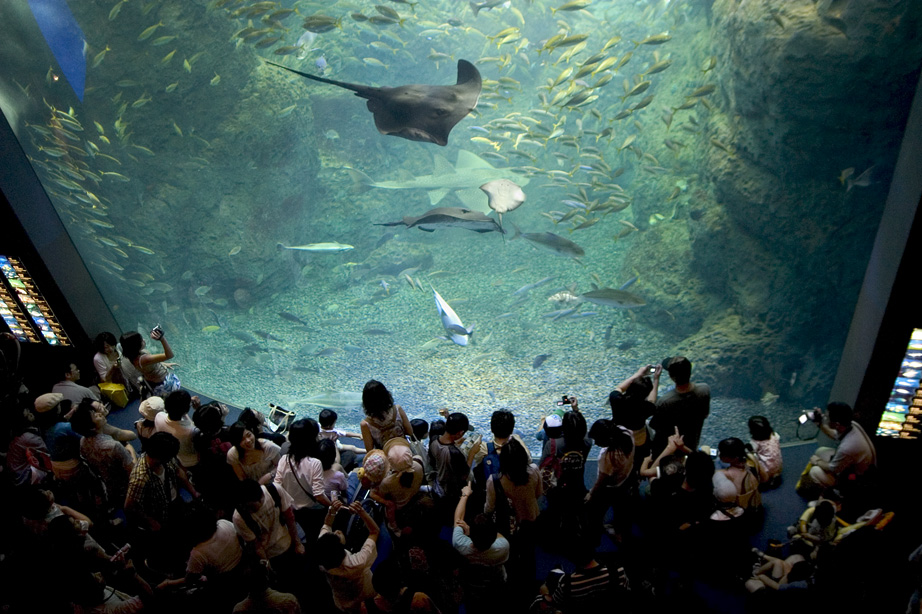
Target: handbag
[(115, 393)]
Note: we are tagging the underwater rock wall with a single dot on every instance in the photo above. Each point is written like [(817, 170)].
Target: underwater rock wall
[(772, 238), (796, 119)]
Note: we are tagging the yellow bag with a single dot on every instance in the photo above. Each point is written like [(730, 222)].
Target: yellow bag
[(115, 392)]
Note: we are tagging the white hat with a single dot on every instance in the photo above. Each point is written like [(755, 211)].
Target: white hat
[(151, 407)]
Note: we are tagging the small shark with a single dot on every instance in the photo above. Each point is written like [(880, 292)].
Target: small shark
[(450, 320), (449, 217), (464, 179)]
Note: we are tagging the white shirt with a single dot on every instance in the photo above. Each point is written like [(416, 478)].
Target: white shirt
[(181, 429), (309, 475)]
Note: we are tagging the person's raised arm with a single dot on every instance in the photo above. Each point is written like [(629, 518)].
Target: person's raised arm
[(461, 508), (657, 370), (148, 359), (370, 524)]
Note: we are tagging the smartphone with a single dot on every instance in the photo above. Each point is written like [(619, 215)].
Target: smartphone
[(803, 418), (157, 329), (651, 370), (565, 401), (714, 452)]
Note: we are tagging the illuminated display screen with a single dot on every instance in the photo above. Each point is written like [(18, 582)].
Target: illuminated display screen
[(903, 413), (25, 312)]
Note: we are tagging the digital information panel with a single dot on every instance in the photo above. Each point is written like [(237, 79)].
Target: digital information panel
[(902, 417), (23, 308)]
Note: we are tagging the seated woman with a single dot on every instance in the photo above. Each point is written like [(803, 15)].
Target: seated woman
[(383, 419), (249, 457), (153, 367), (737, 486), (106, 360)]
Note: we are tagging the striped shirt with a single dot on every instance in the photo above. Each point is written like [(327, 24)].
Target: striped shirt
[(587, 588)]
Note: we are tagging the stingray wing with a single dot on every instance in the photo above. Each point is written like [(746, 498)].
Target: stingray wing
[(426, 113)]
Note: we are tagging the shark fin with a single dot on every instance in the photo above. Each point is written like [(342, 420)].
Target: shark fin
[(441, 165), (435, 196), (468, 159), (474, 199)]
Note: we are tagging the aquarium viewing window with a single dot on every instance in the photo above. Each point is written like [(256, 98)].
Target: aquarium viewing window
[(25, 311), (637, 180), (902, 416)]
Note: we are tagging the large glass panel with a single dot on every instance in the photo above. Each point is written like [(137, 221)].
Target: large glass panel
[(700, 178)]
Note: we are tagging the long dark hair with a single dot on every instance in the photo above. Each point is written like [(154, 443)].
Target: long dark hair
[(235, 436), (132, 344), (376, 399), (513, 462), (574, 430), (302, 434), (99, 343)]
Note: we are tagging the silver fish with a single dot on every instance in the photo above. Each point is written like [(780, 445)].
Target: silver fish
[(318, 247), (611, 297)]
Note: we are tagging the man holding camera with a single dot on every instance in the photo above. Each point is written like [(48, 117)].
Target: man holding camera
[(844, 465)]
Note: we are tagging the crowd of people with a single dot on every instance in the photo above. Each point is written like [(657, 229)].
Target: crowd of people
[(195, 511)]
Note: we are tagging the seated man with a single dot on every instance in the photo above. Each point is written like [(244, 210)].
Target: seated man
[(70, 389), (841, 466)]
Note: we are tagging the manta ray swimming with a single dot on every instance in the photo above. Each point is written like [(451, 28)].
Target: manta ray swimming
[(416, 112)]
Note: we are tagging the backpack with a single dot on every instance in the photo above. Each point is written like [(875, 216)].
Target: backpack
[(488, 467), (504, 512), (572, 466), (550, 468)]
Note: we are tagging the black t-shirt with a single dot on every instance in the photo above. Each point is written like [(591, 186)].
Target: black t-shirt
[(630, 413)]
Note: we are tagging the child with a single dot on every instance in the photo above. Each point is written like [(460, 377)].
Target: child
[(334, 479), (817, 525), (766, 451), (327, 420)]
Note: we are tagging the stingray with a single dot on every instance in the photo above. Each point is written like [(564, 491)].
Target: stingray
[(416, 112), (449, 217), (504, 196)]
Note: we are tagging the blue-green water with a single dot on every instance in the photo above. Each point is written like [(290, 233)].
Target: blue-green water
[(734, 159)]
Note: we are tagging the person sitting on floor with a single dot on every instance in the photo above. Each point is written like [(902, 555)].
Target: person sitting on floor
[(70, 389), (766, 451), (110, 460)]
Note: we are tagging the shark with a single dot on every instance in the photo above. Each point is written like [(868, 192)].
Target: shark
[(450, 320), (464, 179)]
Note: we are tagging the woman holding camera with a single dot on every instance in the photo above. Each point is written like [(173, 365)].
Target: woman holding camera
[(153, 367)]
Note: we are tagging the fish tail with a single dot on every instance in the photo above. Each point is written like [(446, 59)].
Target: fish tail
[(474, 8), (360, 181)]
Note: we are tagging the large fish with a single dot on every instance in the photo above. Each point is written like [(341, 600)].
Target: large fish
[(450, 320), (449, 217), (464, 179), (613, 298), (552, 242), (416, 112), (334, 398)]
